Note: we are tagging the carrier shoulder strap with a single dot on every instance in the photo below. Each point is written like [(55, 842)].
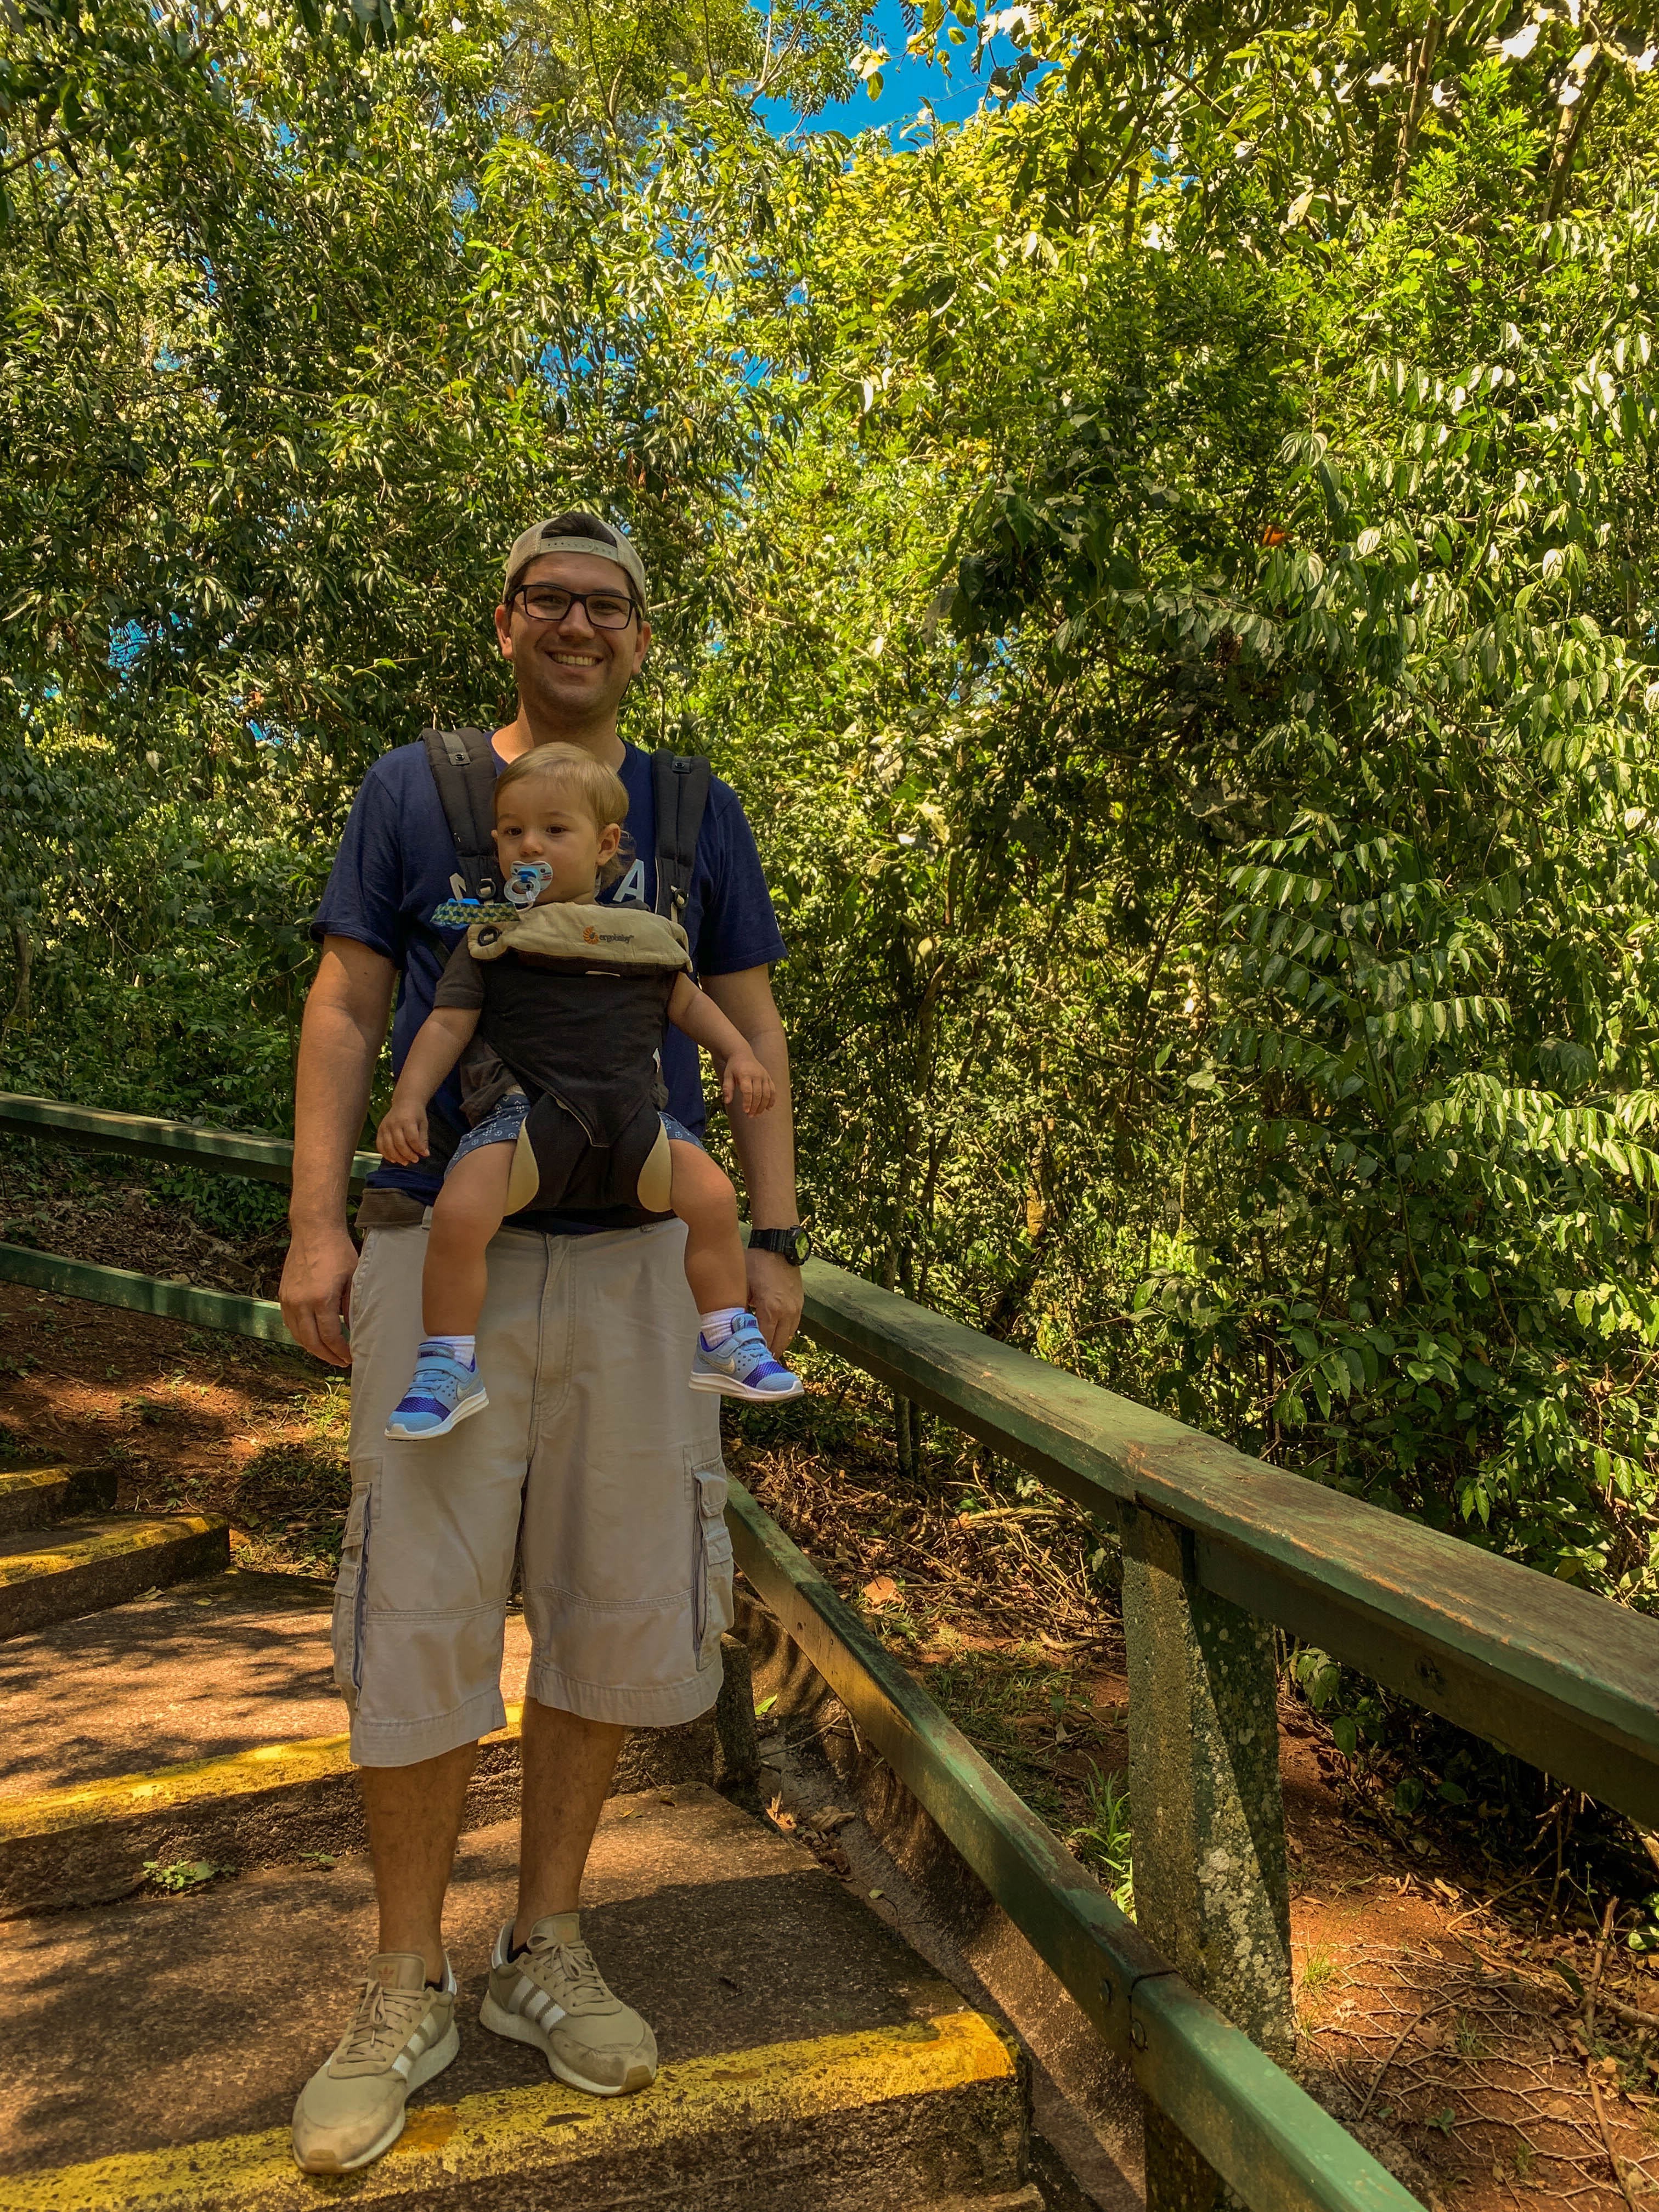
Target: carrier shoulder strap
[(679, 792), (464, 769)]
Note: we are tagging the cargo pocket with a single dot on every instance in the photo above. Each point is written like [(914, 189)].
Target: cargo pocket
[(712, 1584), (351, 1591)]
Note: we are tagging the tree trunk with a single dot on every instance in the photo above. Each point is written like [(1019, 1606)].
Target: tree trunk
[(19, 1009), (1567, 137), (1427, 49)]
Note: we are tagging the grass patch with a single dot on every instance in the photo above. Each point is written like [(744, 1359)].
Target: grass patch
[(1009, 1705), (178, 1875), (1104, 1842), (294, 1496), (1469, 2043), (1318, 1972)]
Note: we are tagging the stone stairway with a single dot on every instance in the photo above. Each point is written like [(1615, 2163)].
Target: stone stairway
[(56, 1563), (188, 1728)]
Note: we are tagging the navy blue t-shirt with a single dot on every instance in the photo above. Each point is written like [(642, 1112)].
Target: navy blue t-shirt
[(393, 868)]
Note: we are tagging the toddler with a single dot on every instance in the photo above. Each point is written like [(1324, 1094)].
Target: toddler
[(558, 1005)]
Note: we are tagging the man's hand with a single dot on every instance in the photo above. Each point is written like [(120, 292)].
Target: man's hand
[(745, 1077), (316, 1293), (766, 1150), (401, 1138), (340, 1041), (775, 1298)]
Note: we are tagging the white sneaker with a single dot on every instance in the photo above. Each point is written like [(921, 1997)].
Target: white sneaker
[(553, 1997), (402, 2034)]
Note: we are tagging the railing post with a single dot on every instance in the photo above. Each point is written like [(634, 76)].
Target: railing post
[(1211, 1885)]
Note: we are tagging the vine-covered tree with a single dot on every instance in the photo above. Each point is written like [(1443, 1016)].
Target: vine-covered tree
[(1169, 563)]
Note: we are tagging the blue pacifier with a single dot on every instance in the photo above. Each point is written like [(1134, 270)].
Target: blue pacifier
[(527, 882)]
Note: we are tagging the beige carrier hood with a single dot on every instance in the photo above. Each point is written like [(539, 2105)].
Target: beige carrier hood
[(608, 938)]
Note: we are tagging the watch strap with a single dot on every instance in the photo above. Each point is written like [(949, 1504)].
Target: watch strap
[(782, 1241)]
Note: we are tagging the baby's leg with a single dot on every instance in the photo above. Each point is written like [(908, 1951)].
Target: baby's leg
[(705, 1201), (446, 1386), (465, 1215), (732, 1357)]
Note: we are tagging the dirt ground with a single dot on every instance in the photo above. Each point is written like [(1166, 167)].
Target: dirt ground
[(188, 1419), (1443, 2010), (1493, 2054)]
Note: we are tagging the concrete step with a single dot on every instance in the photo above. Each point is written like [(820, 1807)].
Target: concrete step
[(35, 1497), (204, 1723), (810, 2061), (87, 1565), (1029, 2199)]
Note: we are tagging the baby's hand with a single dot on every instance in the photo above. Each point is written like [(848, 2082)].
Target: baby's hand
[(401, 1138), (745, 1077)]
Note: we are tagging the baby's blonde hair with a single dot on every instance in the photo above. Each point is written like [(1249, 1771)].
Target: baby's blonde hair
[(600, 789)]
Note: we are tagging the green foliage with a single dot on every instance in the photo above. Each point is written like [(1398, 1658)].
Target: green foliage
[(270, 410), (175, 1876), (1104, 1842), (1300, 610), (1170, 565)]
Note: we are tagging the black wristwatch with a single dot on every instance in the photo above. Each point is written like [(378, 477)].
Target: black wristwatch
[(794, 1245)]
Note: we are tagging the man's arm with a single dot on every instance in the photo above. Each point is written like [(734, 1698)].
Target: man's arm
[(766, 1149), (340, 1042)]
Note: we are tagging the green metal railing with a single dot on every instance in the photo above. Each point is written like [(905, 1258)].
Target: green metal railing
[(1217, 1548)]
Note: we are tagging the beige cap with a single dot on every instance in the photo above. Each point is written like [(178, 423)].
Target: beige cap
[(576, 531)]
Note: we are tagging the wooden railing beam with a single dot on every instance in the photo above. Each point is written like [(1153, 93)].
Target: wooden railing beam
[(1559, 1676), (216, 1152)]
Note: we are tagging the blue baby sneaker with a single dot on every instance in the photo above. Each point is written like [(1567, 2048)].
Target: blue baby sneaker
[(442, 1393), (742, 1367)]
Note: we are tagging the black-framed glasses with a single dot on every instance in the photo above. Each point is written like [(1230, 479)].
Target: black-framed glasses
[(551, 603)]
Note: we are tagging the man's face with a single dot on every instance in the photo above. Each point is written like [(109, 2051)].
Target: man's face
[(572, 670)]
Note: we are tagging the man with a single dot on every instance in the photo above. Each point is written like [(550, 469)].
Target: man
[(594, 1457)]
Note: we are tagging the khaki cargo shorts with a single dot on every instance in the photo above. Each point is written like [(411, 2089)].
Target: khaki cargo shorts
[(594, 1460)]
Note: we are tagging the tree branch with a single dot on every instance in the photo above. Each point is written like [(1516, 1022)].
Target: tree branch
[(1567, 138)]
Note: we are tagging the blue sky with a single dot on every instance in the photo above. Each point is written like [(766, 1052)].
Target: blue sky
[(907, 84)]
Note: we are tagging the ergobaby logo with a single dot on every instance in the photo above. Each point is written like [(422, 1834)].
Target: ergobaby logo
[(590, 937)]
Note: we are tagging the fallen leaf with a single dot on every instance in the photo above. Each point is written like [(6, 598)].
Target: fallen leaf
[(883, 1591)]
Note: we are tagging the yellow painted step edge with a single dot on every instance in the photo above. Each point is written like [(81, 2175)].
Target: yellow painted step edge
[(542, 2131), (33, 1478), (236, 1774), (61, 1559)]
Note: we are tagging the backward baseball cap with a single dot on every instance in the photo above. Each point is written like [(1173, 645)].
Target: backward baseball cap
[(576, 531)]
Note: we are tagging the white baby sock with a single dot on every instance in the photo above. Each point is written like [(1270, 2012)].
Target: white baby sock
[(718, 1325), (463, 1348)]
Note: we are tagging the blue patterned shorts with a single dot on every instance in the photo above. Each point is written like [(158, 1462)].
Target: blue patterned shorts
[(501, 1125)]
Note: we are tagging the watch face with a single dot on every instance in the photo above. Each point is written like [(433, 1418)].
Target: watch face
[(794, 1245)]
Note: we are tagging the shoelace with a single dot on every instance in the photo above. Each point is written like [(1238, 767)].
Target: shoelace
[(382, 2023), (585, 1985)]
